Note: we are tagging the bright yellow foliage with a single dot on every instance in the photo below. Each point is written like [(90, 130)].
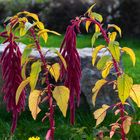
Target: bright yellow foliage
[(124, 83), (95, 52), (135, 94), (96, 89), (131, 54), (34, 100), (100, 114), (55, 71), (21, 88), (61, 95)]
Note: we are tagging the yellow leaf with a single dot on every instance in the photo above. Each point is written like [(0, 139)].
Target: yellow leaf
[(96, 89), (135, 94), (54, 32), (116, 27), (95, 52), (61, 95), (90, 9), (127, 124), (100, 114), (39, 24), (124, 83), (107, 69), (115, 50), (35, 70), (131, 54), (34, 16), (112, 36), (43, 33), (21, 88), (97, 29), (88, 24), (62, 59), (22, 31), (55, 71), (94, 37), (34, 100)]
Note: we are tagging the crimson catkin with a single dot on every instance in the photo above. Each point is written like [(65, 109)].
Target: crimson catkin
[(11, 74)]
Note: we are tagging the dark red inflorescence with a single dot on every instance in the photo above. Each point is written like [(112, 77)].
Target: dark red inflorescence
[(72, 75), (11, 73)]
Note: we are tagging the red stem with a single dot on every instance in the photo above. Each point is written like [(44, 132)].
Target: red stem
[(51, 109), (117, 71)]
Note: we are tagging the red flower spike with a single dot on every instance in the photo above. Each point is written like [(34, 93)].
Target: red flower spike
[(72, 75), (11, 73)]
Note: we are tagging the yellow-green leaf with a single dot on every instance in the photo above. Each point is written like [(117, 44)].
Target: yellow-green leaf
[(34, 16), (95, 52), (61, 95), (124, 83), (131, 54), (102, 62), (115, 50), (107, 69), (34, 100), (100, 114), (94, 37), (135, 94), (112, 36), (53, 32), (97, 87), (55, 71), (35, 70), (88, 24), (116, 27), (21, 88), (127, 124), (27, 51), (97, 16), (90, 9)]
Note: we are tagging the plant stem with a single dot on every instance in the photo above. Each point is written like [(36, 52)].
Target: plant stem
[(117, 71), (51, 109)]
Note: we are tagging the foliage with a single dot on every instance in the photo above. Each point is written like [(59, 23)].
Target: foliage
[(68, 70)]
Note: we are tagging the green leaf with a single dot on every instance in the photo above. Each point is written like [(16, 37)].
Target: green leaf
[(61, 95), (21, 88), (124, 83), (27, 51), (102, 62), (94, 37), (114, 50), (131, 54), (95, 52), (97, 16), (35, 70)]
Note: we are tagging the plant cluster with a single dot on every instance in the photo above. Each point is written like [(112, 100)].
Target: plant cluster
[(67, 70)]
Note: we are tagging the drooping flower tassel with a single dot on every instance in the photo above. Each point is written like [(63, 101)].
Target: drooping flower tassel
[(72, 75), (11, 74)]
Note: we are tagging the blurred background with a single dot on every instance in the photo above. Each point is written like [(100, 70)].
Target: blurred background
[(56, 14)]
